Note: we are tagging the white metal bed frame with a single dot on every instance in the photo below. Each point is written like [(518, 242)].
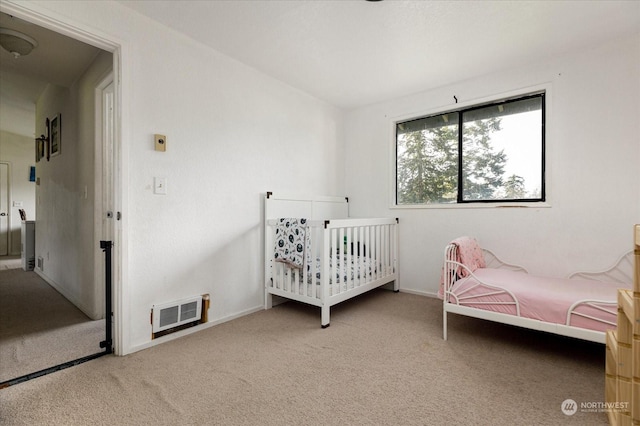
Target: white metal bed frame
[(333, 236), (453, 303)]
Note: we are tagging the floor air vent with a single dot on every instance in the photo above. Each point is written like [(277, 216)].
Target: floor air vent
[(174, 314)]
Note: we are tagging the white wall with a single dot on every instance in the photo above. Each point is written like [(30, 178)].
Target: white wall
[(65, 234), (232, 134), (19, 151), (592, 161), (57, 199)]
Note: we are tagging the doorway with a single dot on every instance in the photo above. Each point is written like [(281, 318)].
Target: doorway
[(103, 189)]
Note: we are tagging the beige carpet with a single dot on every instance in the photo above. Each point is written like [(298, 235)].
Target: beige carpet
[(39, 328), (382, 362), (10, 262)]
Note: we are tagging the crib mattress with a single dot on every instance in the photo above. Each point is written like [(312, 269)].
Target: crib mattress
[(541, 298), (354, 269), (348, 274)]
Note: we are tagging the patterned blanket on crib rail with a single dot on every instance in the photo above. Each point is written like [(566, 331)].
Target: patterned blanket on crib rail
[(292, 242)]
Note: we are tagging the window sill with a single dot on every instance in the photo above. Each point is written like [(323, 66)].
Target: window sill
[(530, 205)]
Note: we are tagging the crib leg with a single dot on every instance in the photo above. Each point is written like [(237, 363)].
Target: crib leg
[(268, 300), (444, 324), (325, 316)]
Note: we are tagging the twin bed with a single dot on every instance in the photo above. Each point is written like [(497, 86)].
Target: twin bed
[(316, 254), (476, 283)]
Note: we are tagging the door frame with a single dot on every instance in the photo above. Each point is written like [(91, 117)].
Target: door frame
[(47, 18), (8, 241)]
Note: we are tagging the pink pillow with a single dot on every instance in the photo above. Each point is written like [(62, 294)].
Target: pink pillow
[(469, 254)]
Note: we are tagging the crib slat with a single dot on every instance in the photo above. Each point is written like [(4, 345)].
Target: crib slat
[(358, 259), (278, 278), (289, 275), (342, 257), (295, 280), (309, 268), (366, 262), (386, 250), (334, 263), (383, 251), (371, 251), (347, 262), (378, 251), (381, 258), (374, 258), (287, 278)]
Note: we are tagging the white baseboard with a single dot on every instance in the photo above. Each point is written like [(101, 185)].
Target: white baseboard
[(420, 293), (191, 330), (70, 297)]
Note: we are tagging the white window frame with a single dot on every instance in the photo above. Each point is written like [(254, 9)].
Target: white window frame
[(393, 121)]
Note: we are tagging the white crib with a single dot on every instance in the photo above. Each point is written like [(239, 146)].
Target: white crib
[(348, 256)]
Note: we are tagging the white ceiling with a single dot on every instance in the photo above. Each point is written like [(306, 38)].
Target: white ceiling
[(353, 52), (349, 53), (57, 59)]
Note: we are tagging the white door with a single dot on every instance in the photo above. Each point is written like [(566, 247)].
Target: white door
[(104, 215), (108, 126), (4, 209)]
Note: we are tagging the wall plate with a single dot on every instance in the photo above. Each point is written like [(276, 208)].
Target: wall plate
[(161, 142)]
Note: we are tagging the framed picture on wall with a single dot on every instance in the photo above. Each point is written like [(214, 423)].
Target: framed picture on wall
[(47, 142), (56, 135)]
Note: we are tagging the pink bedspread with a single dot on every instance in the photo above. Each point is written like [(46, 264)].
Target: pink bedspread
[(541, 298)]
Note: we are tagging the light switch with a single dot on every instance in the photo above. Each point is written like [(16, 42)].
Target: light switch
[(160, 185), (161, 142)]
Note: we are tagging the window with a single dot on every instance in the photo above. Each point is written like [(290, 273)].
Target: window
[(484, 153)]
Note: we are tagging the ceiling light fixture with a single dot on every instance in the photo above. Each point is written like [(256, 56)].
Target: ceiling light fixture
[(16, 43)]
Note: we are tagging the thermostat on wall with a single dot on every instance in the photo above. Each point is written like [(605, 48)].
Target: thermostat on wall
[(161, 142)]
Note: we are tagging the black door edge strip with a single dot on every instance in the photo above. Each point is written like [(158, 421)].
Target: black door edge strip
[(107, 343), (50, 370)]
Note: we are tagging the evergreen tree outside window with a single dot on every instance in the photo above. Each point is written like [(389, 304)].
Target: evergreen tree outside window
[(486, 153)]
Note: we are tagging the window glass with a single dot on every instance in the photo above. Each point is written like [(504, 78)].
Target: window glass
[(502, 151), (485, 153), (428, 160)]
